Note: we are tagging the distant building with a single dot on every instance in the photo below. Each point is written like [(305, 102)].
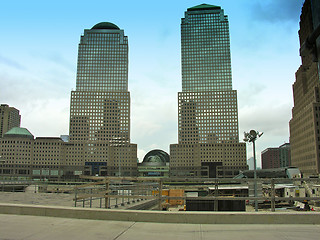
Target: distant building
[(208, 141), (270, 158), (276, 157), (16, 151), (22, 155), (250, 163), (305, 122), (155, 164), (286, 172), (9, 118), (285, 155)]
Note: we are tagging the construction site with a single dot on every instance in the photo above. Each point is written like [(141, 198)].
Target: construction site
[(177, 194)]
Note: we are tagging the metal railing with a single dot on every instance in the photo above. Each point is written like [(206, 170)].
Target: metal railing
[(114, 192), (120, 191), (127, 192)]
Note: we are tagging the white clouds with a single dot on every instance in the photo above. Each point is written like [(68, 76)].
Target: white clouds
[(276, 11), (40, 89), (153, 115), (141, 154), (48, 117), (11, 63), (272, 118)]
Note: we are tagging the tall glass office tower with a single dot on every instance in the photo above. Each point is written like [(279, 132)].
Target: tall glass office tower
[(205, 50), (207, 106), (103, 59), (100, 106)]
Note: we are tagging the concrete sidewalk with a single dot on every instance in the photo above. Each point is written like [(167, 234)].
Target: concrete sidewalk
[(163, 216), (16, 227)]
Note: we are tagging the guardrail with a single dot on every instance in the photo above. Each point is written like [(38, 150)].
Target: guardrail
[(115, 193), (118, 191)]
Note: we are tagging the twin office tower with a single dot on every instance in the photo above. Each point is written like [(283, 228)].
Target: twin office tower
[(208, 141)]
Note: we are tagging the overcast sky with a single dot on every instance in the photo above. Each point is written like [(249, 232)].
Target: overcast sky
[(38, 59)]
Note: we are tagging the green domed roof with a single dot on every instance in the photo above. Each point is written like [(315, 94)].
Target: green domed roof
[(105, 25), (18, 132)]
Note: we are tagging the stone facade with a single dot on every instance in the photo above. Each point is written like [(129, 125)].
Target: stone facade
[(9, 118), (208, 140), (100, 105), (304, 125)]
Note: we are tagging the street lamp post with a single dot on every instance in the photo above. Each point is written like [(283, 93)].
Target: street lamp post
[(252, 137)]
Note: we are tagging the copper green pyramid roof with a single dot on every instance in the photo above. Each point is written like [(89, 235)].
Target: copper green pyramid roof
[(18, 132), (203, 7)]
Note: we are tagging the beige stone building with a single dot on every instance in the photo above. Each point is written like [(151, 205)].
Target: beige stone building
[(48, 156), (208, 140), (16, 152), (9, 118), (22, 155), (100, 105), (304, 125)]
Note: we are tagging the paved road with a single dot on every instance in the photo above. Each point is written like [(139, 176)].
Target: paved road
[(14, 227)]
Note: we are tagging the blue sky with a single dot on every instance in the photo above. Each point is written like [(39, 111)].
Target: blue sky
[(38, 57)]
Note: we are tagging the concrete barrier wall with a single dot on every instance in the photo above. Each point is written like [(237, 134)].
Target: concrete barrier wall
[(163, 216)]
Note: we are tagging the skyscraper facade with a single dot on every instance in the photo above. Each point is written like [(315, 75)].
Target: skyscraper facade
[(205, 50), (208, 140), (103, 59), (100, 106), (305, 121), (9, 118)]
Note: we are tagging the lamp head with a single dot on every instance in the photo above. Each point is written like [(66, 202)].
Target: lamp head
[(253, 133)]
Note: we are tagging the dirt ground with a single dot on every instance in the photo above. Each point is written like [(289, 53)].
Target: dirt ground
[(29, 197)]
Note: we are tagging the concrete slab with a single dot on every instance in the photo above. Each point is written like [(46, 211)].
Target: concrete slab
[(16, 227), (260, 231), (33, 227), (164, 216)]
